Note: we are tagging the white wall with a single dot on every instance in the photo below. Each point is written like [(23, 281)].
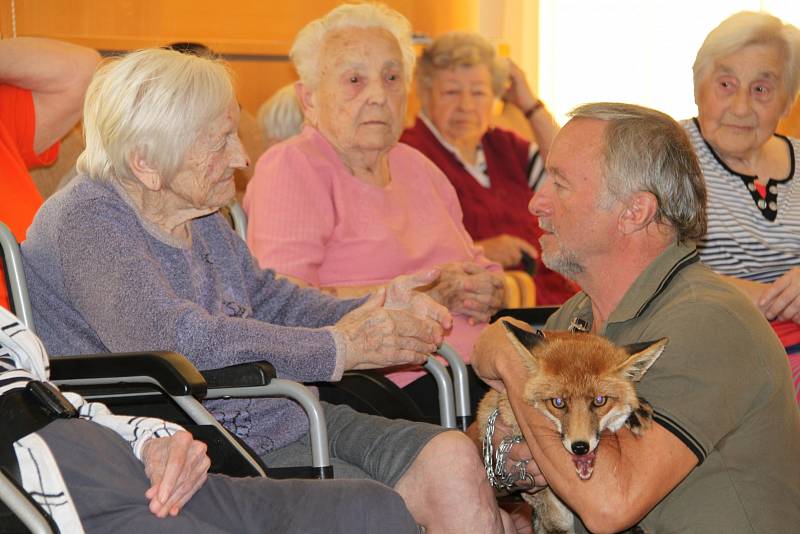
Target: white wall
[(637, 51)]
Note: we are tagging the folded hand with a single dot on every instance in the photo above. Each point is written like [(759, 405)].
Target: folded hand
[(376, 337), (177, 467), (469, 289)]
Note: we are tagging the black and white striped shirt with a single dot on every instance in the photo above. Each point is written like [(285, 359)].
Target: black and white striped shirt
[(742, 241), (22, 359)]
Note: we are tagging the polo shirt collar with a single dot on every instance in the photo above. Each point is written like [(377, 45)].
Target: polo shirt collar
[(651, 283)]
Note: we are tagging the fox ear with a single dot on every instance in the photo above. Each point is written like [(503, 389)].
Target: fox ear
[(528, 340), (643, 355)]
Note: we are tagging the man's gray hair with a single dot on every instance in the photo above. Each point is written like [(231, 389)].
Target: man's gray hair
[(461, 49), (154, 103), (646, 150), (309, 42), (748, 28)]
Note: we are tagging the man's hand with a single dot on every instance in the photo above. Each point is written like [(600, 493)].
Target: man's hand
[(507, 249), (519, 452), (781, 300), (377, 337), (469, 289), (177, 467)]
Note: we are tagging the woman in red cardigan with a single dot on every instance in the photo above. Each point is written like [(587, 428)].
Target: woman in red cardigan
[(493, 171)]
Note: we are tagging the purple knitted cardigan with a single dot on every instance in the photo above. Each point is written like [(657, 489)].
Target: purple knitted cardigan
[(102, 280)]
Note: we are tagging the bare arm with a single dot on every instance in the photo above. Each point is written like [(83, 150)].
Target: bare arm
[(631, 474), (542, 123), (507, 249), (779, 300), (56, 73), (753, 290)]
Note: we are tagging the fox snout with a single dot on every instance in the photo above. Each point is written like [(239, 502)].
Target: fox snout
[(580, 447)]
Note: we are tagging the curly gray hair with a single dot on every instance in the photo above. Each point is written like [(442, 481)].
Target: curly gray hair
[(461, 49), (308, 43)]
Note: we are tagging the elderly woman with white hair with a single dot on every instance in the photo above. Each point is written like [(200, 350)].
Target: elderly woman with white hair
[(344, 207), (280, 117), (133, 255), (746, 77), (459, 78)]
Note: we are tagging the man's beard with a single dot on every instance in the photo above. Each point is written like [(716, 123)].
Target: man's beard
[(563, 262)]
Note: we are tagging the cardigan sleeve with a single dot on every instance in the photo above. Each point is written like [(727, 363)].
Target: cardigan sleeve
[(284, 190), (115, 281)]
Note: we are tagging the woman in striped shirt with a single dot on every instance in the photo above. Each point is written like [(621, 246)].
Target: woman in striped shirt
[(746, 77)]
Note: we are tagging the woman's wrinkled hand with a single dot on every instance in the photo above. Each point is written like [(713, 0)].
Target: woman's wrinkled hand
[(519, 92), (781, 300), (406, 293), (375, 336), (177, 467), (469, 289), (507, 249)]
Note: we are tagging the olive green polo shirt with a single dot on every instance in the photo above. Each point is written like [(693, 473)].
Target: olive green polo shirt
[(722, 386)]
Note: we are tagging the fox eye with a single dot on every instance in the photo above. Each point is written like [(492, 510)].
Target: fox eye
[(558, 402), (599, 400)]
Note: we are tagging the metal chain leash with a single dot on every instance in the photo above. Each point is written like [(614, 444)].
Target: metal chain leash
[(495, 461)]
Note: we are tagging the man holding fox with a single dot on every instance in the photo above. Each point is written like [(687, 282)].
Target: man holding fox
[(621, 211)]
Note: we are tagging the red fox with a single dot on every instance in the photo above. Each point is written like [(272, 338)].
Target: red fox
[(584, 384)]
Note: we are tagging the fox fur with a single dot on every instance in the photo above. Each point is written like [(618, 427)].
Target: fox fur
[(581, 382)]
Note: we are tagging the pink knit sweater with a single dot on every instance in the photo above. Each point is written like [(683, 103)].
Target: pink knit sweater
[(310, 218)]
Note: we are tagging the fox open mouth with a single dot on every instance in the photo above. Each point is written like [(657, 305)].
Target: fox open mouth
[(584, 464)]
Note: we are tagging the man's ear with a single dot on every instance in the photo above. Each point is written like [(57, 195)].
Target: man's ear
[(639, 211), (306, 98), (144, 172)]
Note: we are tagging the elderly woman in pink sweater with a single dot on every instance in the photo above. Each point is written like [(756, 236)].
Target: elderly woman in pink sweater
[(343, 206)]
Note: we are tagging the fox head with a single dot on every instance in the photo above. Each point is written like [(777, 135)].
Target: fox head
[(583, 383)]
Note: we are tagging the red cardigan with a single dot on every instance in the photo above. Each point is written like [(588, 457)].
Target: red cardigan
[(502, 208)]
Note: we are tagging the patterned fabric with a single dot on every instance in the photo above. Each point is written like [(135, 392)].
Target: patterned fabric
[(22, 359), (753, 232), (742, 241), (794, 363)]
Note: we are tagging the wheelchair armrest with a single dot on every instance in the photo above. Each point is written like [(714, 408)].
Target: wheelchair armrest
[(240, 375), (173, 372)]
